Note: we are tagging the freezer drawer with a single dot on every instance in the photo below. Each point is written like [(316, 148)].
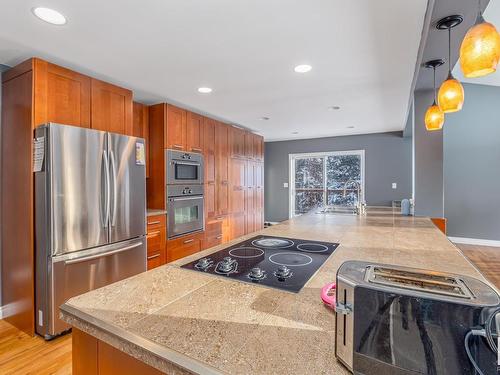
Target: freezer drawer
[(79, 273)]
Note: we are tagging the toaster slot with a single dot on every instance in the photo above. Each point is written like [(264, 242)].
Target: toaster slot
[(433, 283)]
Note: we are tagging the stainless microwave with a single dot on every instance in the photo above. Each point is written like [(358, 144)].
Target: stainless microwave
[(184, 168)]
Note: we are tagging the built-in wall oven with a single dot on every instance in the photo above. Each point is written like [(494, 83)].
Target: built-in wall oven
[(185, 209), (184, 168)]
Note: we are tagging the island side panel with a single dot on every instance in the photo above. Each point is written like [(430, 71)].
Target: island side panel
[(94, 357)]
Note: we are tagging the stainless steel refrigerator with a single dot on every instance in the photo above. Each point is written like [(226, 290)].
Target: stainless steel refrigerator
[(90, 213)]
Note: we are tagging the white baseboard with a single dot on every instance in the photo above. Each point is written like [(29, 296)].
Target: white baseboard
[(475, 241)]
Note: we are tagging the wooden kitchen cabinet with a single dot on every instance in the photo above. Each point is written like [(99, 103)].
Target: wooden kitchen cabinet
[(237, 142), (237, 185), (61, 95), (111, 108), (209, 127), (237, 224), (183, 246), (140, 128), (258, 147), (222, 168), (249, 145), (194, 132), (176, 128), (156, 241)]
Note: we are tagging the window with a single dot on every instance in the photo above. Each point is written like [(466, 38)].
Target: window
[(320, 178)]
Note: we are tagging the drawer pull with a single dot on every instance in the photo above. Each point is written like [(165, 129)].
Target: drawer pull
[(154, 222), (153, 256), (218, 237), (219, 218), (154, 233), (196, 149), (188, 241), (177, 146)]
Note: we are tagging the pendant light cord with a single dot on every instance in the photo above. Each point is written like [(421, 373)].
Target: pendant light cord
[(434, 68), (449, 51)]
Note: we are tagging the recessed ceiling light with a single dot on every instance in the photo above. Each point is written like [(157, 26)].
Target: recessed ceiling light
[(295, 133), (302, 68), (333, 108), (49, 15), (264, 118), (204, 90)]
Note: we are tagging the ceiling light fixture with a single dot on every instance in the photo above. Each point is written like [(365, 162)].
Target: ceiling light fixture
[(302, 68), (350, 127), (451, 92), (480, 49), (49, 15), (333, 108), (294, 133), (434, 117), (264, 118), (204, 90)]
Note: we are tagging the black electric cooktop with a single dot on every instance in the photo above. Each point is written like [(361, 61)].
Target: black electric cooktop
[(276, 262)]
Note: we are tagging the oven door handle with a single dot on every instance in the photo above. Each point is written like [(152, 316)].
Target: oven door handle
[(186, 163), (184, 199)]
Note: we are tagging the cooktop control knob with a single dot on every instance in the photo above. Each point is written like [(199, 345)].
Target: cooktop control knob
[(256, 273), (283, 272), (204, 263)]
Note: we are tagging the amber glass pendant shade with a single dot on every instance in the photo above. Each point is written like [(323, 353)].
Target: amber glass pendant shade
[(451, 95), (434, 118), (480, 50)]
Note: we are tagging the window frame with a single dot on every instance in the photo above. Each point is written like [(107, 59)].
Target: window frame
[(291, 173)]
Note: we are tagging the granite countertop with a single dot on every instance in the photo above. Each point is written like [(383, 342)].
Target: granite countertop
[(180, 321), (153, 212)]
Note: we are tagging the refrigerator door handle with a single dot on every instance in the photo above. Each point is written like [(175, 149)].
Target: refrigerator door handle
[(107, 188), (115, 189), (95, 256)]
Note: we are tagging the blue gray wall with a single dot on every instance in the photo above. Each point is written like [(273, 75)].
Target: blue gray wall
[(428, 163), (472, 165), (387, 160)]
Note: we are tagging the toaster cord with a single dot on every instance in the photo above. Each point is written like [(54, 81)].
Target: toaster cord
[(489, 334), (474, 332)]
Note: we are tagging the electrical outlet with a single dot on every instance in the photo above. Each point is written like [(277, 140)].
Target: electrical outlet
[(285, 185), (394, 185)]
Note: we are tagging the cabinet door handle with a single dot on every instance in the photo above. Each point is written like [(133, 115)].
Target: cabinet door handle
[(218, 237), (197, 149), (188, 241), (153, 256), (219, 218), (153, 222), (153, 233), (177, 146)]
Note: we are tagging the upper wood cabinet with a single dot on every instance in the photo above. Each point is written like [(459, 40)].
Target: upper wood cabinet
[(209, 127), (176, 128), (111, 108), (140, 127), (237, 142), (258, 147), (249, 145), (61, 95), (194, 132)]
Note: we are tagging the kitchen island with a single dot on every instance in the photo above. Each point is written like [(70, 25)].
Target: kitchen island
[(180, 321)]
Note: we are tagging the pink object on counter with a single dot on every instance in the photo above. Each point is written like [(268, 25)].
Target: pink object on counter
[(328, 294)]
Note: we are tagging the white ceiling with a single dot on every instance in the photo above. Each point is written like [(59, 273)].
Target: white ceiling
[(363, 54), (491, 14)]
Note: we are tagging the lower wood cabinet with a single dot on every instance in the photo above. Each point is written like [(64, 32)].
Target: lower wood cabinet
[(181, 247), (156, 240)]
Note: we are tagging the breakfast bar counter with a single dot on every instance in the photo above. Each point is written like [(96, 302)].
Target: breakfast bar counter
[(181, 321)]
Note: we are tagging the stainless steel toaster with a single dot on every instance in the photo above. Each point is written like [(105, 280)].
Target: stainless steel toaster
[(397, 320)]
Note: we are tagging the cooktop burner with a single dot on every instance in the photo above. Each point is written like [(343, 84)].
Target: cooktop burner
[(276, 262)]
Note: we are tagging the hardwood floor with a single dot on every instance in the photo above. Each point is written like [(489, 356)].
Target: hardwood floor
[(486, 258), (22, 354)]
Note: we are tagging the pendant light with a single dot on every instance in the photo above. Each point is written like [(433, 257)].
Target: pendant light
[(451, 92), (480, 49), (434, 117)]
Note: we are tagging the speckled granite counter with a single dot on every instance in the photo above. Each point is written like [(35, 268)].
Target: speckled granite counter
[(180, 321)]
